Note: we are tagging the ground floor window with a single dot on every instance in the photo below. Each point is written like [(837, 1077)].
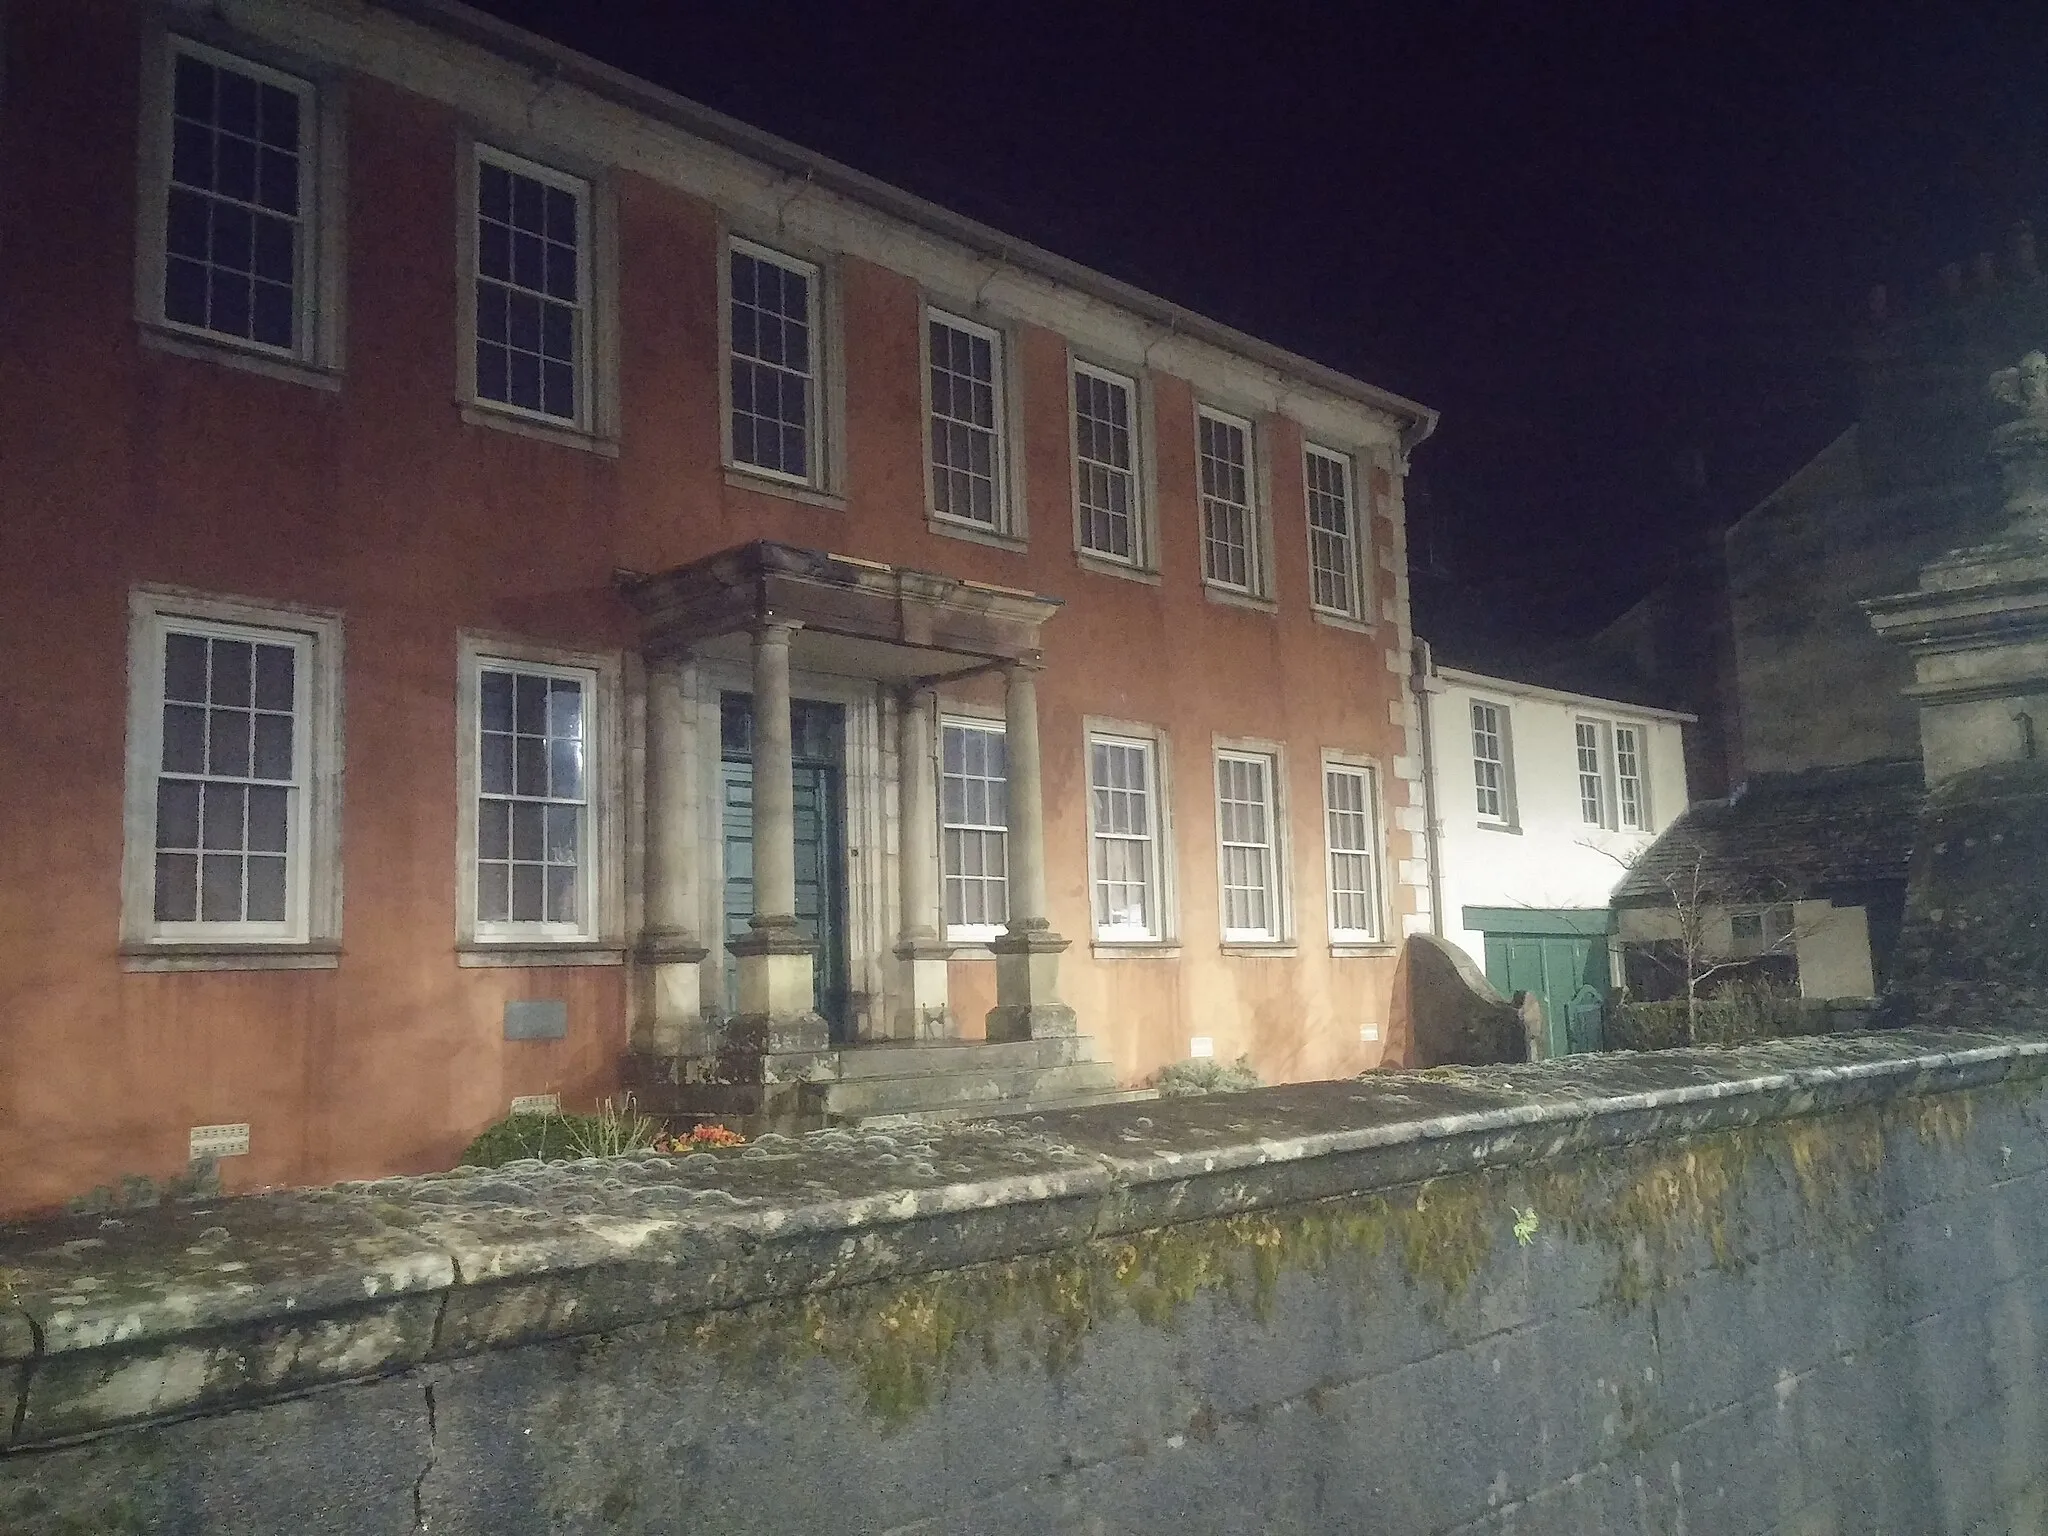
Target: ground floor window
[(1351, 812), (1124, 826), (974, 811)]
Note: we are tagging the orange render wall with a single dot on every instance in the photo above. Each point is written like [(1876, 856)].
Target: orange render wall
[(122, 465)]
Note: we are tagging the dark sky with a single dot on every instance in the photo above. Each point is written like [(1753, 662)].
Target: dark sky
[(1597, 238)]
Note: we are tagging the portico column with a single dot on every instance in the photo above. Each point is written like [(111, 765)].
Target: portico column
[(777, 1002), (672, 1007), (922, 1013), (1028, 1004)]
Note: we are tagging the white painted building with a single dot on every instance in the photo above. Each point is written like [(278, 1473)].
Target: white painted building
[(1538, 801)]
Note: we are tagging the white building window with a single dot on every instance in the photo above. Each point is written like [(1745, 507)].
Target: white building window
[(233, 753), (532, 280), (773, 338), (965, 382), (1248, 835), (975, 817), (1231, 545), (1123, 813), (1492, 773), (1351, 809), (1631, 801), (1336, 577), (1105, 465), (535, 771), (1592, 773), (234, 198)]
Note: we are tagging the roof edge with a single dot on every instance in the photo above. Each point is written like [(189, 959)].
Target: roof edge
[(469, 25)]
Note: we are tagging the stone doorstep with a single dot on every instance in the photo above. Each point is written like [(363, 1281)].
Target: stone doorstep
[(946, 1090)]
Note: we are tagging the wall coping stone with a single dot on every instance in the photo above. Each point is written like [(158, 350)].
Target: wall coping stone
[(179, 1310)]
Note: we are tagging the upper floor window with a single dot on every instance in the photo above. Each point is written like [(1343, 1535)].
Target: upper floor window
[(1612, 793), (974, 810), (774, 363), (1491, 771), (1231, 546), (532, 283), (1351, 806), (230, 198), (1592, 773), (1336, 580), (233, 745), (1105, 464), (1630, 799), (966, 402)]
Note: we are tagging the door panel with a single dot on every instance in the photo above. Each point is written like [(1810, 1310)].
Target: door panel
[(1557, 970), (820, 877)]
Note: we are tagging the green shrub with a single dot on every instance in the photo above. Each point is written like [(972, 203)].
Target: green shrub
[(1204, 1074), (1737, 1014), (555, 1138)]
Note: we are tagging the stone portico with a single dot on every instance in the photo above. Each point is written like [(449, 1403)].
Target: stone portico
[(730, 1024)]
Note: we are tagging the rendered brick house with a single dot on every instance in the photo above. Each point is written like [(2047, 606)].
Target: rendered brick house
[(518, 585)]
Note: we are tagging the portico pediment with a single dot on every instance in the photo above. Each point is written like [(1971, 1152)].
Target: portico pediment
[(858, 617)]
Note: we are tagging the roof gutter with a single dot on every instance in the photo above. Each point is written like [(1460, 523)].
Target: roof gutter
[(556, 62)]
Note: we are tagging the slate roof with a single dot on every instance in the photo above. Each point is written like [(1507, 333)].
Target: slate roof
[(1785, 836)]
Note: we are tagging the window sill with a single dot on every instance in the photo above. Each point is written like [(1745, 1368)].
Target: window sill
[(478, 954), (1342, 621), (1362, 951), (1134, 949), (1103, 565), (227, 354), (740, 479), (973, 533), (1252, 949), (481, 415), (1228, 598), (230, 957), (1499, 826)]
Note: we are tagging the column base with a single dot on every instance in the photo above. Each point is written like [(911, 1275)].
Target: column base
[(670, 1018), (924, 1008), (1028, 1005)]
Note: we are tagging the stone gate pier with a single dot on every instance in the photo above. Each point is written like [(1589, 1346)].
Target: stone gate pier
[(1801, 1287)]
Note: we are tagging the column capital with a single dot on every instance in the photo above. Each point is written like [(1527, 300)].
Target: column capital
[(774, 630)]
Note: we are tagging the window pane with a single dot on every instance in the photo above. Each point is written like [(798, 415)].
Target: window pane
[(177, 887), (266, 890)]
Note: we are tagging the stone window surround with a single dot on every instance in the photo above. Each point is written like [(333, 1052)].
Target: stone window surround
[(597, 428), (317, 946), (318, 357), (826, 484), (1279, 811), (603, 941), (1165, 878), (1342, 942)]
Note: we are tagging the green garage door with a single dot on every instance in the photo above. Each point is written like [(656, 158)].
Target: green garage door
[(1559, 957)]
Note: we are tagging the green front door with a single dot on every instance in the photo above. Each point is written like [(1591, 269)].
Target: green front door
[(819, 786), (1560, 958)]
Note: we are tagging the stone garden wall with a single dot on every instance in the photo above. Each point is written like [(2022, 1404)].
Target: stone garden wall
[(1801, 1287)]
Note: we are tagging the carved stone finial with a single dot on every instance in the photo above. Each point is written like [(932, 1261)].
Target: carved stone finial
[(2024, 385)]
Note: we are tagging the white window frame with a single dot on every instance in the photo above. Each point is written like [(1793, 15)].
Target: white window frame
[(315, 356), (601, 875), (821, 467), (1007, 506), (1268, 758), (1159, 885), (1355, 566), (1142, 558), (969, 933), (312, 928), (1367, 773), (1258, 583), (1593, 736), (1503, 733), (1639, 737), (588, 281)]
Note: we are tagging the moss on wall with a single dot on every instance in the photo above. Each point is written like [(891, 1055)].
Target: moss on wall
[(1657, 1212)]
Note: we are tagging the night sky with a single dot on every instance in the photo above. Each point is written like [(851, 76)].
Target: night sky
[(1604, 241)]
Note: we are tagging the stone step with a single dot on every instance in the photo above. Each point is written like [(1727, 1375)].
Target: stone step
[(965, 1088), (1008, 1109), (916, 1059)]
